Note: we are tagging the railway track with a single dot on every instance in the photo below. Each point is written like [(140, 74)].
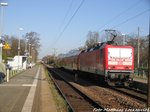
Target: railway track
[(131, 98), (136, 90), (141, 96), (133, 93), (103, 96), (78, 101)]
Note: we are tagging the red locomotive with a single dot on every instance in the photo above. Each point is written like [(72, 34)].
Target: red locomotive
[(111, 63)]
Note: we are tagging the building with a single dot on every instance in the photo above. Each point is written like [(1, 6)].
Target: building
[(18, 62)]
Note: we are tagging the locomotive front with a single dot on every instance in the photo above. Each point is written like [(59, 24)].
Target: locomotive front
[(119, 64)]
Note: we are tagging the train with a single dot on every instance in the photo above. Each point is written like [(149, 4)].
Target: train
[(113, 64)]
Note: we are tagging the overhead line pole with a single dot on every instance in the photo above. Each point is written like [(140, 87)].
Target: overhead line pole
[(54, 55), (138, 56), (148, 95)]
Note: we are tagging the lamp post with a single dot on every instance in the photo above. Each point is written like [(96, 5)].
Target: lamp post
[(33, 53), (26, 45), (29, 49), (26, 52), (29, 52), (1, 27), (20, 29), (54, 54)]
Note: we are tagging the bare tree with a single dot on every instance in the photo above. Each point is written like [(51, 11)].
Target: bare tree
[(143, 49), (12, 41), (92, 39), (34, 44), (82, 48)]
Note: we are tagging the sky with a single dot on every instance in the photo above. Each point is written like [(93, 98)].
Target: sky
[(64, 24)]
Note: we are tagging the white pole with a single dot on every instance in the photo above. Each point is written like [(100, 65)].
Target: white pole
[(1, 45), (7, 75)]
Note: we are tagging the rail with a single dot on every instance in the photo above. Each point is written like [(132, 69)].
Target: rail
[(77, 100)]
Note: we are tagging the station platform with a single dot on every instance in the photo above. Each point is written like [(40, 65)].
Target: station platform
[(27, 92)]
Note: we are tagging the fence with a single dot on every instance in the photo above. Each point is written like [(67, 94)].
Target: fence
[(141, 73), (11, 73), (14, 72)]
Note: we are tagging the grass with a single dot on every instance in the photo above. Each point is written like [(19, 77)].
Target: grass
[(62, 105)]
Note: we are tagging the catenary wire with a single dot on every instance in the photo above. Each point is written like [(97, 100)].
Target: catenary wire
[(121, 13), (61, 33), (131, 7), (141, 13), (60, 27)]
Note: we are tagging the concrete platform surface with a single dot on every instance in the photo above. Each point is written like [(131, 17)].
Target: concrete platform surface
[(27, 92)]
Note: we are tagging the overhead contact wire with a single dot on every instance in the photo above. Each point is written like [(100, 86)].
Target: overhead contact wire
[(132, 6), (70, 20), (131, 18), (70, 6)]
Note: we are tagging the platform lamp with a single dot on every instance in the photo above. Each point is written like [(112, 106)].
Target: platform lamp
[(1, 27), (20, 29)]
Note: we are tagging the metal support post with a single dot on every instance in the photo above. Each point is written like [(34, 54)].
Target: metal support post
[(138, 55), (76, 77), (148, 93)]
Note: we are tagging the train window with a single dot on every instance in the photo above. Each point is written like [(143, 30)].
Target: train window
[(88, 49), (83, 51), (97, 47), (91, 49), (101, 44)]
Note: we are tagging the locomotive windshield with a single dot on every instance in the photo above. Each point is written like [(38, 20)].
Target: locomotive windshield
[(121, 56)]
